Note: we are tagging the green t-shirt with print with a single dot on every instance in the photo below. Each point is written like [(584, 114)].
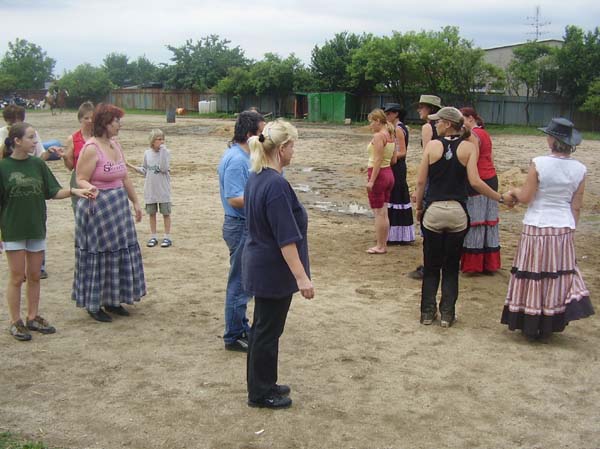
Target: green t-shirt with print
[(25, 185)]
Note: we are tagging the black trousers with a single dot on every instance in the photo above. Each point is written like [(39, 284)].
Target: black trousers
[(263, 344), (441, 253)]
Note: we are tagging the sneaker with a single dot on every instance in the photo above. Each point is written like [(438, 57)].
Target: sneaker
[(43, 274), (152, 243), (166, 243), (120, 310), (239, 345), (428, 318), (417, 274), (19, 331), (273, 401), (40, 325), (447, 319), (281, 390)]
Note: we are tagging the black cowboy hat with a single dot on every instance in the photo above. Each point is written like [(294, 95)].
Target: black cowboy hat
[(392, 107), (563, 130)]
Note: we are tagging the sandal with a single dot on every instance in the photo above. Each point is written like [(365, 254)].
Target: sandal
[(152, 243), (375, 250), (166, 243)]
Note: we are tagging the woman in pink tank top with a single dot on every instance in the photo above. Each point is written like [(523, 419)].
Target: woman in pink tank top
[(108, 261)]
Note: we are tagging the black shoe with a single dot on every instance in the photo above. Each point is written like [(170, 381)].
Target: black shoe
[(447, 320), (273, 402), (43, 274), (428, 317), (121, 311), (239, 345), (101, 315), (281, 390), (417, 274)]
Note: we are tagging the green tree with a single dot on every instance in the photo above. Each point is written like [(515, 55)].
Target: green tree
[(118, 69), (84, 83), (592, 102), (577, 63), (143, 71), (530, 62), (202, 64), (8, 82), (330, 63), (387, 64), (27, 63), (278, 77)]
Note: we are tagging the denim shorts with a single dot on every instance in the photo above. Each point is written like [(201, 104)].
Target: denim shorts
[(32, 246)]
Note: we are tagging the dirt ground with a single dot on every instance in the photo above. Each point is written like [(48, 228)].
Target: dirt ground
[(364, 373)]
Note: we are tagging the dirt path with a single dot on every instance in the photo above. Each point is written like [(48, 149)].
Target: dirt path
[(364, 372)]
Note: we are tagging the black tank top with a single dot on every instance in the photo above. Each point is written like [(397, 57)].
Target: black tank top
[(434, 134), (447, 177), (405, 131)]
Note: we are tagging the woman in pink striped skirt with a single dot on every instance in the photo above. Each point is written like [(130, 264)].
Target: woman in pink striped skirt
[(546, 290)]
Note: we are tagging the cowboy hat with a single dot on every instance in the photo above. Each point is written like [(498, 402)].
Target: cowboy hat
[(562, 129), (392, 107), (431, 100), (448, 113)]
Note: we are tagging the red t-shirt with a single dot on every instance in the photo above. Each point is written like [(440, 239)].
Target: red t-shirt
[(78, 142), (485, 165)]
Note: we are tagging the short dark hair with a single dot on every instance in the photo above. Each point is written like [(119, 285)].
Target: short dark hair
[(246, 123), (104, 114), (13, 113), (16, 131)]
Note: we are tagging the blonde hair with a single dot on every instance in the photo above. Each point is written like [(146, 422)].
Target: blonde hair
[(155, 134), (377, 115), (275, 135)]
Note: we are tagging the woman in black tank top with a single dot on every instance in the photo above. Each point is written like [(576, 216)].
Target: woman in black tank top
[(447, 165)]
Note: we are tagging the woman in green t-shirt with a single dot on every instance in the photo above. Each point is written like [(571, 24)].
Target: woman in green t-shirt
[(26, 183)]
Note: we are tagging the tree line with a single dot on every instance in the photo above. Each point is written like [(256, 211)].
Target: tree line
[(401, 65)]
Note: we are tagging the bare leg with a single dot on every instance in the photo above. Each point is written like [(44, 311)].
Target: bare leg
[(16, 265), (167, 220), (153, 223), (382, 227), (34, 265)]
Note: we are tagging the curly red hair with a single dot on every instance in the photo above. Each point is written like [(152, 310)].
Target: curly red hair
[(104, 114)]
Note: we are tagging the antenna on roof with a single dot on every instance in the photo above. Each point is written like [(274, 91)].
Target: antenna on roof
[(537, 24)]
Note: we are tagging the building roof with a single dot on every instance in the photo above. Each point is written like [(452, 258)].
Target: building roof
[(543, 41)]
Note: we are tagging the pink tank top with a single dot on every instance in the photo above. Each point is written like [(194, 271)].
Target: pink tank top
[(108, 174)]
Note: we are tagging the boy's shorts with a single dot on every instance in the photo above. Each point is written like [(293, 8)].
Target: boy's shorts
[(31, 245), (165, 208)]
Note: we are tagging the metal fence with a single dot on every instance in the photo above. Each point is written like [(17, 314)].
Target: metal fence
[(495, 109)]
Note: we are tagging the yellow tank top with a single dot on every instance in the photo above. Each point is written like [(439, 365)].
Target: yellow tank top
[(388, 152)]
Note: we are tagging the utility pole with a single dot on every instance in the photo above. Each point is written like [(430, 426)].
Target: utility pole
[(537, 24)]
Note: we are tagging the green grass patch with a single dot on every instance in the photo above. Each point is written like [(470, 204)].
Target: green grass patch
[(518, 130), (10, 441)]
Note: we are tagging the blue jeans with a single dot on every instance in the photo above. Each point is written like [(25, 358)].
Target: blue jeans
[(236, 323)]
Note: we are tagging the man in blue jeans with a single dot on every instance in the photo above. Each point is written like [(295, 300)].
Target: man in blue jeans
[(233, 174)]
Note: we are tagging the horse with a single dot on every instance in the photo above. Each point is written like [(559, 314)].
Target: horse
[(57, 99)]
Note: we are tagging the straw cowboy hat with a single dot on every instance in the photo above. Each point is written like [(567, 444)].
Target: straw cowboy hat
[(562, 129)]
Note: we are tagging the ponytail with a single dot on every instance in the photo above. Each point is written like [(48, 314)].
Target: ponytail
[(265, 145), (16, 131)]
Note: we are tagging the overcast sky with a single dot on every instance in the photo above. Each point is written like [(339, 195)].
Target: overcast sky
[(78, 31)]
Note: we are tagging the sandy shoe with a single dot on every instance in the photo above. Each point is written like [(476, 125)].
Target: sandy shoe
[(19, 331), (40, 325)]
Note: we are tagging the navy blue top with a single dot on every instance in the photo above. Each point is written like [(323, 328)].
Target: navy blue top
[(275, 218)]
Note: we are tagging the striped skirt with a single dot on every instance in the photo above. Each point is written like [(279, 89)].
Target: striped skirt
[(546, 290), (399, 208), (481, 249), (108, 260)]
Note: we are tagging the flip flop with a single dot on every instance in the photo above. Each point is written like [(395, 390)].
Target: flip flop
[(374, 250)]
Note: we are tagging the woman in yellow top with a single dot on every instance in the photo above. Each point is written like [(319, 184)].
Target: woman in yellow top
[(380, 177)]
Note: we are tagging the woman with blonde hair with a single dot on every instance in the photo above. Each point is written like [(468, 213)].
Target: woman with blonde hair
[(380, 181), (275, 258)]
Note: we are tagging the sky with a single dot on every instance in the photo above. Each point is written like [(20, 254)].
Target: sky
[(77, 31)]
